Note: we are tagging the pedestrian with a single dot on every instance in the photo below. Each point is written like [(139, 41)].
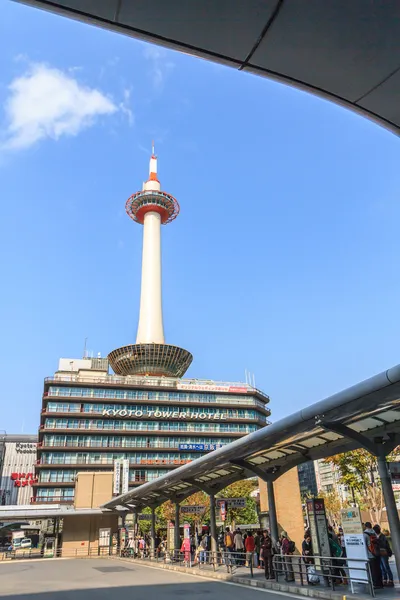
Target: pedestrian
[(374, 555), (308, 559), (239, 546), (204, 547), (287, 549), (267, 555), (306, 550), (386, 553), (249, 545), (257, 543), (338, 573), (332, 534)]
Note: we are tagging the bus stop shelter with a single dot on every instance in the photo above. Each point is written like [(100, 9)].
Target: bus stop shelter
[(366, 415)]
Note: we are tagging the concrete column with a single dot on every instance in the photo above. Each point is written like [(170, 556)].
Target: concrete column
[(177, 537), (213, 526), (273, 520), (153, 533), (390, 502)]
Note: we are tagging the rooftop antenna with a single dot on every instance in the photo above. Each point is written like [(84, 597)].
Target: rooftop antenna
[(84, 348), (254, 381)]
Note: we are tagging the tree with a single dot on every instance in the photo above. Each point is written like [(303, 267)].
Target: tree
[(333, 505), (242, 489), (359, 472)]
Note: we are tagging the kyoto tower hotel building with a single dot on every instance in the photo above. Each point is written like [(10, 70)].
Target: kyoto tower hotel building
[(144, 419)]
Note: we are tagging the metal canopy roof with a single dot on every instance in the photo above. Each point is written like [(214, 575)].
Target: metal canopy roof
[(370, 408), (345, 51)]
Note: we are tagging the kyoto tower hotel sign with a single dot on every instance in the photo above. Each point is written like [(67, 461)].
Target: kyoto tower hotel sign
[(152, 208)]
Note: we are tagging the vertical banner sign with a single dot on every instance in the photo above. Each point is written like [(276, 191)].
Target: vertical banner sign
[(354, 542), (117, 477), (125, 476), (171, 536), (222, 508), (186, 531), (318, 529)]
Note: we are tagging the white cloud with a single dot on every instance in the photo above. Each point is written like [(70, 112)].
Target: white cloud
[(45, 102), (160, 66)]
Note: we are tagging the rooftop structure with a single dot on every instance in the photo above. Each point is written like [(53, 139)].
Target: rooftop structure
[(152, 208)]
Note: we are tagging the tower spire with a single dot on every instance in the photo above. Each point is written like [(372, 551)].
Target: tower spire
[(152, 171)]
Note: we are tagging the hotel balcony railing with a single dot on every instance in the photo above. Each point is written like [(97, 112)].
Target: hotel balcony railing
[(51, 500), (199, 385), (91, 398), (133, 445), (110, 461), (97, 414)]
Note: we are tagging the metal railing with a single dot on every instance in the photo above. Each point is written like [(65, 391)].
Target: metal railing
[(195, 385), (34, 553), (201, 559), (327, 571)]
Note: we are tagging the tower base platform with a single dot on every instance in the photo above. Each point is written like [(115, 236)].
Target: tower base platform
[(150, 359)]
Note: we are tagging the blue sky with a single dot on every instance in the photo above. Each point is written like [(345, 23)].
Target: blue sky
[(283, 261)]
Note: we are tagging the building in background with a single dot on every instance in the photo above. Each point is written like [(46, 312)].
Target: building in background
[(145, 420), (307, 480), (328, 476), (18, 460)]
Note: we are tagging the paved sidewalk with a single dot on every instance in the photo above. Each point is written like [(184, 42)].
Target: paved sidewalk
[(242, 576)]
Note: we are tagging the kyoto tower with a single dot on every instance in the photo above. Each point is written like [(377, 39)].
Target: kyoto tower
[(152, 208)]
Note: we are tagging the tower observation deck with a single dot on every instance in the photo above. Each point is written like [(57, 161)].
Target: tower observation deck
[(151, 207)]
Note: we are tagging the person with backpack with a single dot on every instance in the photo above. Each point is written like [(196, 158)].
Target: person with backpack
[(386, 553), (336, 553), (374, 555), (287, 549), (229, 545)]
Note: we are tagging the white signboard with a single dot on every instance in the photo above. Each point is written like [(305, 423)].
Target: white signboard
[(25, 448), (104, 537), (354, 542), (192, 387), (162, 414), (117, 477), (232, 502), (194, 510), (125, 475)]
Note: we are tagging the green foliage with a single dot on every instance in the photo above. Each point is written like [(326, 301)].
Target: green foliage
[(359, 471), (242, 489)]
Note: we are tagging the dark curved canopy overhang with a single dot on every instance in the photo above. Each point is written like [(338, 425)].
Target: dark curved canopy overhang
[(346, 52)]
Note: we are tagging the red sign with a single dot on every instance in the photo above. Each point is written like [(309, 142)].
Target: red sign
[(23, 479), (222, 508)]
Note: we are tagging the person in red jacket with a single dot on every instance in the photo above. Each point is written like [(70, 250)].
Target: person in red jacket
[(249, 544)]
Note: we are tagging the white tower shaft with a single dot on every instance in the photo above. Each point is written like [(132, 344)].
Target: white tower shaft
[(150, 329)]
